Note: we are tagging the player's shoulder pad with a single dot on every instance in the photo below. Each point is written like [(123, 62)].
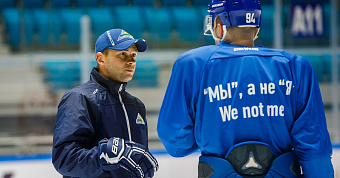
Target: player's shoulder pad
[(295, 58)]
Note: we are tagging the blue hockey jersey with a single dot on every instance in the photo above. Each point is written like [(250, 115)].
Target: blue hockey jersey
[(86, 115), (222, 95)]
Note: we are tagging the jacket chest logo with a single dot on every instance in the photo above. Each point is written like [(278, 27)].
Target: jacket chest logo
[(139, 119)]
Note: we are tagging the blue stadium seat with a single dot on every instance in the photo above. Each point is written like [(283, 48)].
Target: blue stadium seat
[(318, 65), (144, 2), (101, 20), (60, 3), (87, 3), (7, 3), (328, 70), (130, 19), (327, 19), (146, 74), (61, 75), (42, 19), (29, 26), (11, 17), (203, 10), (33, 3), (115, 3), (167, 3), (266, 34), (159, 24), (57, 26), (71, 22), (186, 20), (201, 3)]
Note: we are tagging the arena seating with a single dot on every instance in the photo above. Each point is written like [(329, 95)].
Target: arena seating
[(29, 26), (130, 19), (43, 26), (60, 3), (53, 23), (201, 3), (167, 3), (319, 65), (101, 19), (115, 3), (33, 3), (146, 74), (328, 64), (158, 24), (61, 75), (266, 33), (144, 3), (7, 4), (87, 3), (71, 19), (187, 23), (55, 20), (37, 24), (64, 75), (11, 17)]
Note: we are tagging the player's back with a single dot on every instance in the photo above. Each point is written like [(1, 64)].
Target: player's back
[(248, 94)]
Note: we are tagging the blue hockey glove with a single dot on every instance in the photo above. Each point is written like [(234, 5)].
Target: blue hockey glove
[(134, 157)]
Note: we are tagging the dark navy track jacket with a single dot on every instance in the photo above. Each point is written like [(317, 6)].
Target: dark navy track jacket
[(97, 109)]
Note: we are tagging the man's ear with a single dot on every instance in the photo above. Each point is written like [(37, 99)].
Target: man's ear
[(219, 31), (100, 58)]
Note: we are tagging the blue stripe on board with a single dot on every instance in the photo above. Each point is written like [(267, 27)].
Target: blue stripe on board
[(26, 157), (336, 145)]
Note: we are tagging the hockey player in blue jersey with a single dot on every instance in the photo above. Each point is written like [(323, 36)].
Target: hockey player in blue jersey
[(100, 129), (250, 110)]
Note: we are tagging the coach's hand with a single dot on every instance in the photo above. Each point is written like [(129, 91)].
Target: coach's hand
[(116, 152)]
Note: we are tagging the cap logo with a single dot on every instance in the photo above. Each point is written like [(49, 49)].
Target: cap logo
[(124, 35), (109, 35)]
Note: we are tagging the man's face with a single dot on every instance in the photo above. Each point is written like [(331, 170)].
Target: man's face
[(119, 66)]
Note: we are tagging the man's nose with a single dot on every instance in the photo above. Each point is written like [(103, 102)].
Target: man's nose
[(131, 60)]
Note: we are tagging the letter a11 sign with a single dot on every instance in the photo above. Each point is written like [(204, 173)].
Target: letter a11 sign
[(307, 20)]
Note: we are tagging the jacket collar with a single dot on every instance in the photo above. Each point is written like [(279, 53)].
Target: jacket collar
[(112, 86)]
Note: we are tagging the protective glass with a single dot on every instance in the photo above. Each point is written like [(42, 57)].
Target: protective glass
[(208, 28)]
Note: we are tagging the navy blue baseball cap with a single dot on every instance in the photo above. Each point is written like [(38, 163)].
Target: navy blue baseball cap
[(119, 40)]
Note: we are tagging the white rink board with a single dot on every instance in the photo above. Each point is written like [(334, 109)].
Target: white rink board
[(169, 167), (29, 169), (43, 168)]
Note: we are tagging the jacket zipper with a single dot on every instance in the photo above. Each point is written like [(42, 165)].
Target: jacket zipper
[(126, 115)]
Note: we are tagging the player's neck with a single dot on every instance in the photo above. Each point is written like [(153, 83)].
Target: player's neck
[(249, 43)]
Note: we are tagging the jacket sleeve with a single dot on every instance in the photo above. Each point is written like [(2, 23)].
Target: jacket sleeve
[(177, 115), (72, 136), (309, 134)]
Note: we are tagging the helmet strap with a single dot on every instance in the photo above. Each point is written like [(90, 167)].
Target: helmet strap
[(256, 36), (224, 27)]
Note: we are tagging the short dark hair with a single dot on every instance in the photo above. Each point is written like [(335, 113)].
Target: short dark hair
[(242, 33), (106, 51)]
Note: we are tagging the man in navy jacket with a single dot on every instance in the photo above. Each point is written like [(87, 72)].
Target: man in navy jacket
[(100, 129)]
